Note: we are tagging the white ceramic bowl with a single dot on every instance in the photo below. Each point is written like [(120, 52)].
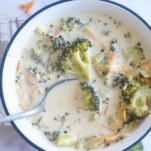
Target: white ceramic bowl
[(23, 36)]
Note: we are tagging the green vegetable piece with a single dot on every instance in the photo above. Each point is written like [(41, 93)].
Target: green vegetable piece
[(52, 136), (105, 33), (69, 23), (93, 117), (129, 88), (76, 60), (101, 64), (127, 35), (39, 30), (91, 100), (114, 46), (65, 140), (138, 107), (78, 144), (138, 147), (133, 55)]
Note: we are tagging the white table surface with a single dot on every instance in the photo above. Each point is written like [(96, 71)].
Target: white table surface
[(9, 139)]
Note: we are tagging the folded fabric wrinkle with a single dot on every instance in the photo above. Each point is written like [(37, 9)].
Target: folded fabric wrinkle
[(7, 29)]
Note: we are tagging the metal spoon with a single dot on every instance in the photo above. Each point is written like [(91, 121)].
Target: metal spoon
[(37, 109)]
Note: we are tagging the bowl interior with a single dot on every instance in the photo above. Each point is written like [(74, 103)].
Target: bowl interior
[(23, 36)]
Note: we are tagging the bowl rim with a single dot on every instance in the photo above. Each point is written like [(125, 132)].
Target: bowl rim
[(18, 31)]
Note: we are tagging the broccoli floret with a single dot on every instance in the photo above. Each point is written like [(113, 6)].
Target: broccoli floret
[(130, 85), (135, 93), (76, 60), (114, 46), (138, 107), (139, 78), (39, 31), (65, 140), (70, 23), (59, 43), (91, 100), (127, 85), (128, 89), (52, 136), (134, 55), (101, 64), (119, 80)]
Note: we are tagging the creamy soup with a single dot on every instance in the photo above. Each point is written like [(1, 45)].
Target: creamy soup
[(112, 93)]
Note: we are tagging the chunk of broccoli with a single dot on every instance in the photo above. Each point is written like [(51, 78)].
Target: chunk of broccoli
[(91, 100), (135, 93), (134, 55), (114, 46), (127, 85), (138, 107), (76, 60), (52, 136), (130, 85), (65, 140), (39, 31), (119, 80), (129, 88), (70, 23), (59, 43), (139, 78), (101, 64)]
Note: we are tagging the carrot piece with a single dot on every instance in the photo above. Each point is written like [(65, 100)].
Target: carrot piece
[(146, 67), (106, 127), (18, 66), (106, 110), (149, 79), (111, 55), (124, 70), (31, 79), (122, 115), (122, 112), (88, 33), (27, 7)]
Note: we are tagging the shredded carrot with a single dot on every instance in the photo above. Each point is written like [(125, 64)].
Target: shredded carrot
[(106, 127), (88, 33), (106, 110), (122, 115), (124, 70), (103, 45), (31, 79), (149, 79), (110, 55), (122, 112), (27, 7), (146, 67), (18, 66)]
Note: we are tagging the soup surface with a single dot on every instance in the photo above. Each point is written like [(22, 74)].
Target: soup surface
[(112, 93)]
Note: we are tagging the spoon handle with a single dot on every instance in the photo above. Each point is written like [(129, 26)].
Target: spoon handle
[(21, 115)]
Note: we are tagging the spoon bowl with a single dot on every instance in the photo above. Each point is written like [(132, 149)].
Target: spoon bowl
[(39, 108)]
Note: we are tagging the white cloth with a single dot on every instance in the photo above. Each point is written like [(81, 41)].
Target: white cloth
[(7, 29)]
